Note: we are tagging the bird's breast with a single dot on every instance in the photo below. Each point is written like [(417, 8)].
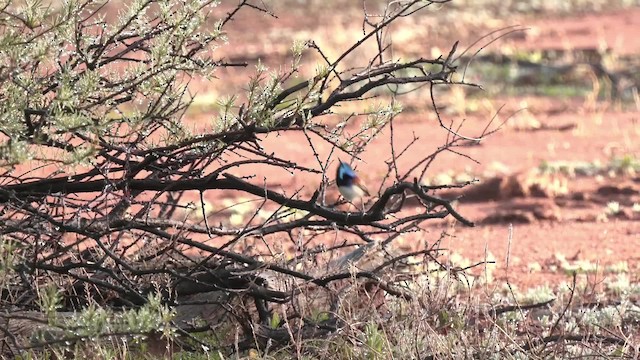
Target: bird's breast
[(351, 192)]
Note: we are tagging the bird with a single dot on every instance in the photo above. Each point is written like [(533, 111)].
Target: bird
[(349, 184)]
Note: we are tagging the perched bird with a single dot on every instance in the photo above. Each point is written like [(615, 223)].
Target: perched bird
[(349, 183)]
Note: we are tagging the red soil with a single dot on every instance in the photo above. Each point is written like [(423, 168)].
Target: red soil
[(576, 229)]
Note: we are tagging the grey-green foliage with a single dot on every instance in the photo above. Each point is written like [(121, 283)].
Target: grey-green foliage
[(96, 321), (99, 323), (71, 78)]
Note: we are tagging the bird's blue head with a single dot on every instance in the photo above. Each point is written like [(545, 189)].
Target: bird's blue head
[(345, 175)]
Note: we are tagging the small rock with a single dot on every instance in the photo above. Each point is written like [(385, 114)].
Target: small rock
[(607, 190)]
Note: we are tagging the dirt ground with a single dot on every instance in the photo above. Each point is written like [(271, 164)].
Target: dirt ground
[(557, 217)]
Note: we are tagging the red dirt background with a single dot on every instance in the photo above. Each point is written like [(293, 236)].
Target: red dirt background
[(566, 219)]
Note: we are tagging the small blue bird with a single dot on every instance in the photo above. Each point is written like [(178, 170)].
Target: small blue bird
[(349, 183)]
